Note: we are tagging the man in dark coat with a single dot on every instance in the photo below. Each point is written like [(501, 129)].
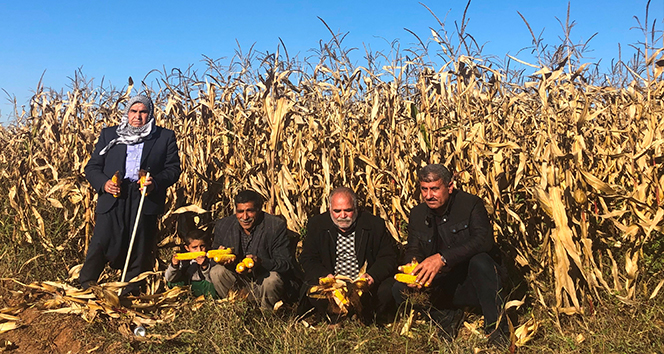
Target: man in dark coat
[(258, 235), (136, 144), (341, 242), (452, 239)]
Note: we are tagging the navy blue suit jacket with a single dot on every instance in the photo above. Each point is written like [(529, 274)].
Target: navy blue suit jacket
[(160, 157)]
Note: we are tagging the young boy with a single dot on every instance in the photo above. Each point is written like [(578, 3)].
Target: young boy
[(195, 272)]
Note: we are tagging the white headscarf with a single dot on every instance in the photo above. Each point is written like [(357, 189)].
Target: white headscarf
[(128, 134)]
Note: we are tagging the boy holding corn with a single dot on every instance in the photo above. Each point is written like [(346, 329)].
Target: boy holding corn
[(194, 272)]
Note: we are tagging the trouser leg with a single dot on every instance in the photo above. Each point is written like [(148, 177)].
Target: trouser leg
[(143, 252), (95, 260), (267, 290), (383, 304), (482, 288), (203, 287), (222, 279), (103, 238)]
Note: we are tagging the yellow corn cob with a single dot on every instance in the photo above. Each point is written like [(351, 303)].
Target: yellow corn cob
[(326, 281), (408, 268), (141, 179), (116, 179), (216, 253), (223, 258), (341, 296), (188, 255), (240, 267), (248, 262), (408, 279)]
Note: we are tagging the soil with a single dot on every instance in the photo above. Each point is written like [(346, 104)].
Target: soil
[(45, 333), (39, 332)]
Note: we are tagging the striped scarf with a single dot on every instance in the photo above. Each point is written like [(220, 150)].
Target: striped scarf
[(128, 134)]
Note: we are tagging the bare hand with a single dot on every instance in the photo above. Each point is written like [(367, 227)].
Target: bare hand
[(111, 188), (226, 261), (149, 184), (257, 262), (369, 278), (427, 270), (174, 261)]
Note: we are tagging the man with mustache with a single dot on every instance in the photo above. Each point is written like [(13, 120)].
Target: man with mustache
[(340, 242), (257, 235), (451, 237)]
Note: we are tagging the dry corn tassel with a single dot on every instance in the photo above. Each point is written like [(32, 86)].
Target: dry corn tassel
[(116, 179), (408, 279)]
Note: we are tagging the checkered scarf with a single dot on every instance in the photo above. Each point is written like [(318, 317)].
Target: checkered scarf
[(128, 134)]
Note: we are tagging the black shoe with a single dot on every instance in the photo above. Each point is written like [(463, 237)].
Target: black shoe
[(449, 321), (499, 338), (88, 284)]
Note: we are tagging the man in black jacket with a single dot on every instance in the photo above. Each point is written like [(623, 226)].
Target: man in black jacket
[(135, 144), (255, 234), (340, 242), (452, 239)]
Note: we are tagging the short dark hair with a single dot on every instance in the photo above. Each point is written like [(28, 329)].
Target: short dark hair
[(434, 172), (197, 234), (247, 196)]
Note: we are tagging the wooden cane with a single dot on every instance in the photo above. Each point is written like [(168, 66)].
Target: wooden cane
[(133, 234)]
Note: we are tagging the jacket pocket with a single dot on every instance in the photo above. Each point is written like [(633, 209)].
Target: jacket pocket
[(458, 233)]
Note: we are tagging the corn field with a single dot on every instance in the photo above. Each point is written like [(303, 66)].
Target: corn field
[(569, 164)]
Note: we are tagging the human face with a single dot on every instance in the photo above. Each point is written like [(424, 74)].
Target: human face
[(246, 215), (342, 211), (436, 193), (196, 246), (138, 115)]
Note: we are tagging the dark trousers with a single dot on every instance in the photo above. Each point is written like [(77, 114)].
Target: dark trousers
[(110, 241), (474, 283)]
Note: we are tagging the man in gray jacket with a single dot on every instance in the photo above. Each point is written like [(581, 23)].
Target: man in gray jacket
[(254, 234)]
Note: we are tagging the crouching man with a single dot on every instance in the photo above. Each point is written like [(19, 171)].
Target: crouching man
[(252, 233), (450, 235), (341, 242)]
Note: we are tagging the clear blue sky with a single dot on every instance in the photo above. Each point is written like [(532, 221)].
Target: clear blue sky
[(118, 39)]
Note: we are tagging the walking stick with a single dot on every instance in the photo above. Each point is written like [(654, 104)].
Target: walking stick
[(133, 234)]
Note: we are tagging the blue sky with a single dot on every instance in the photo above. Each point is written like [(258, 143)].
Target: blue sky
[(117, 39)]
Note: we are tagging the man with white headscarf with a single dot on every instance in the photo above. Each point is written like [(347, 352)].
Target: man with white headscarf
[(136, 144)]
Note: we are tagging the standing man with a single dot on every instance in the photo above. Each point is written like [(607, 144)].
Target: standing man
[(136, 144), (340, 242), (254, 234), (451, 237)]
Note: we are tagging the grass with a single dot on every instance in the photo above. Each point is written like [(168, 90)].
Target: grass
[(242, 328)]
